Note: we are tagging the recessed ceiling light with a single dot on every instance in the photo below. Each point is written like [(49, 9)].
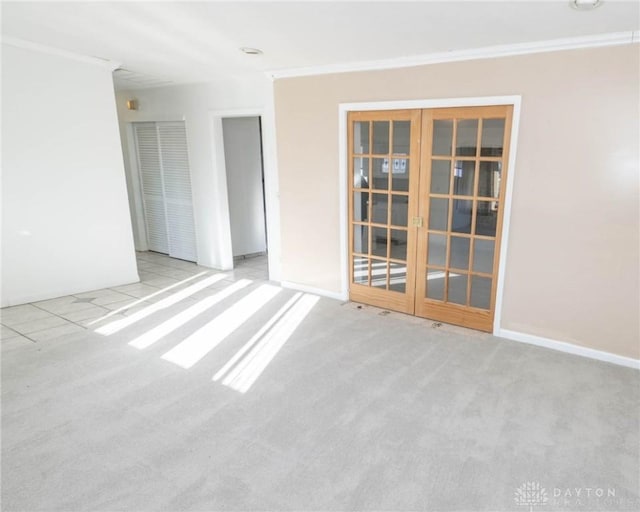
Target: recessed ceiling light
[(585, 5), (251, 51)]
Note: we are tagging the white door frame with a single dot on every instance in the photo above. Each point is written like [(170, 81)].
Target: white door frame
[(270, 182), (345, 108)]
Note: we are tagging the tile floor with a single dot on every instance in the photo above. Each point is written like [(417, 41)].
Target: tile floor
[(49, 319)]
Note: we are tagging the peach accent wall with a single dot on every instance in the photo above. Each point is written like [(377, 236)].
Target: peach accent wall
[(572, 271)]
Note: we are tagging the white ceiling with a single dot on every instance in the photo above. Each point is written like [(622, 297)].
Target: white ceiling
[(182, 42)]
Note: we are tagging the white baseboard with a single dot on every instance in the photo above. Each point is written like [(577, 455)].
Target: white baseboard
[(316, 291), (569, 348)]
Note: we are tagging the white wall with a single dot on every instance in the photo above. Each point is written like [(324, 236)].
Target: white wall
[(65, 217), (243, 162), (196, 105)]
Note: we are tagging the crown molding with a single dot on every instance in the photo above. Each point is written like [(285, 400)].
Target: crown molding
[(489, 52), (51, 50)]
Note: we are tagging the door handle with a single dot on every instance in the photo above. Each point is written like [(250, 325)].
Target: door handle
[(416, 222)]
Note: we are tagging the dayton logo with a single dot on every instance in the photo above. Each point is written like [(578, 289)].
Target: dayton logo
[(530, 494)]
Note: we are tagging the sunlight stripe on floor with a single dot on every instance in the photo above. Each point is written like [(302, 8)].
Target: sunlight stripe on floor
[(256, 337), (170, 325), (147, 297), (242, 377), (118, 325), (205, 339)]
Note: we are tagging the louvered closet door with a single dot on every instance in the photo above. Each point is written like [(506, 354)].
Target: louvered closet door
[(177, 190), (152, 188)]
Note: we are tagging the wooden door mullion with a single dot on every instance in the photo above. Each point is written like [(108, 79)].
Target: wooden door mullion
[(474, 207), (389, 187), (449, 227), (422, 208), (415, 148)]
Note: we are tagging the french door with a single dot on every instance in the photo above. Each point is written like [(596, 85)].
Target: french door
[(426, 195)]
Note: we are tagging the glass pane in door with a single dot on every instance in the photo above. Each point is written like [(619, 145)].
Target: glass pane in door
[(457, 292), (398, 277), (459, 253), (361, 239), (398, 249), (467, 137), (483, 255), (437, 252), (435, 284), (442, 137), (461, 218), (381, 137), (360, 172), (438, 214), (360, 206), (489, 179), (401, 137), (440, 176), (379, 242), (399, 210), (360, 270), (379, 208), (492, 137), (487, 218), (480, 292), (361, 137), (463, 174), (400, 174), (379, 273), (380, 174)]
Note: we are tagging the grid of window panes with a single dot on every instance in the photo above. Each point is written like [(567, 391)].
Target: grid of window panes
[(466, 167), (380, 173)]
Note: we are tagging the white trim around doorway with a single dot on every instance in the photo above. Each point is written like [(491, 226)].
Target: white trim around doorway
[(345, 108), (270, 183)]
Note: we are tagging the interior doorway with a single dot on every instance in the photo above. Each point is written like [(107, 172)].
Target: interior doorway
[(243, 155), (426, 203)]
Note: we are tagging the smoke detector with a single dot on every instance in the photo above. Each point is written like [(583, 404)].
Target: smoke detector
[(251, 51), (585, 5)]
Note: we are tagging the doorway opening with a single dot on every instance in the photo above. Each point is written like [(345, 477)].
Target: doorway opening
[(244, 164)]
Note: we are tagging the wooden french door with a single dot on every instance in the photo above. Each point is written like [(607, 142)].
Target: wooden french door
[(426, 195), (383, 168)]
